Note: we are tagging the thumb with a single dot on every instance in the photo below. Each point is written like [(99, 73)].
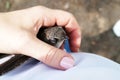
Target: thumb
[(48, 54)]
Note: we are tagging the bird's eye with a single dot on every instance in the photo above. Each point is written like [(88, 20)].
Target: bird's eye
[(53, 41)]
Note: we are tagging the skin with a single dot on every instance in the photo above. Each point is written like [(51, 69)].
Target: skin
[(18, 31)]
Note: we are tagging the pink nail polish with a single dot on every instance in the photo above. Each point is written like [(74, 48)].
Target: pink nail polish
[(67, 63)]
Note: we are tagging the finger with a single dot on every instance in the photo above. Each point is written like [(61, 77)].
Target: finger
[(75, 40), (48, 54), (71, 26)]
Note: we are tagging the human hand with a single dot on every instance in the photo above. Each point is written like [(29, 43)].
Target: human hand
[(18, 30)]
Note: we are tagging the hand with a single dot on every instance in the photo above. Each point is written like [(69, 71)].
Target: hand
[(18, 31)]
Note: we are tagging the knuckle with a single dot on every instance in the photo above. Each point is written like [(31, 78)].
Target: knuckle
[(70, 14), (51, 56), (38, 7), (65, 12)]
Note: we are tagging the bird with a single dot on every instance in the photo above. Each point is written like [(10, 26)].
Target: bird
[(54, 35)]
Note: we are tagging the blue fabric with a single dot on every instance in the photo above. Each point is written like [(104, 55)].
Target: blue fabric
[(66, 46)]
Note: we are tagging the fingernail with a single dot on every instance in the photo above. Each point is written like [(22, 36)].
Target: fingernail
[(67, 63)]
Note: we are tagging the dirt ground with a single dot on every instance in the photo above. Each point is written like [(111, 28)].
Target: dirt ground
[(96, 18)]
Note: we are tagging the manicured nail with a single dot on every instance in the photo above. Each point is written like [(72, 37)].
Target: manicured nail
[(67, 63)]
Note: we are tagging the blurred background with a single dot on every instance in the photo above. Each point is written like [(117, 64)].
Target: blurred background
[(96, 18)]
